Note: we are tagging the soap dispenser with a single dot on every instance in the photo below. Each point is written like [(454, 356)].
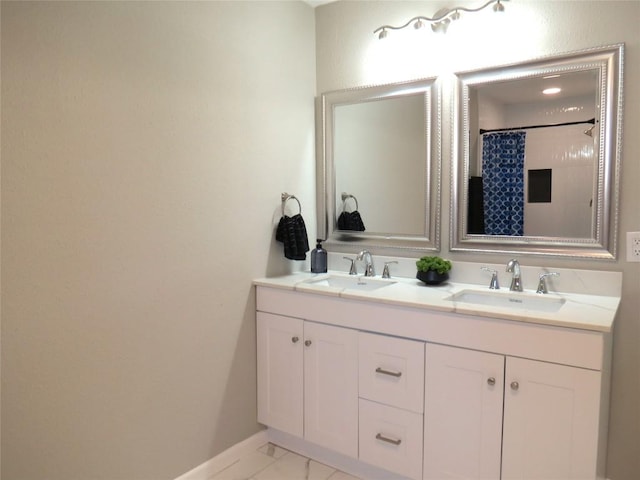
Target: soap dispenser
[(319, 258)]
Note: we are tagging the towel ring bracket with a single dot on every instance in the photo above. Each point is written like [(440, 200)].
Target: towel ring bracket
[(345, 197), (286, 197)]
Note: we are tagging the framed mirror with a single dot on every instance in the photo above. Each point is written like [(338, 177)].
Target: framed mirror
[(536, 153), (378, 167)]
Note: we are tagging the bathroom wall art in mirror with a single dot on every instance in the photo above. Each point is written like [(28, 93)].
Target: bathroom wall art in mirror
[(536, 156), (379, 166)]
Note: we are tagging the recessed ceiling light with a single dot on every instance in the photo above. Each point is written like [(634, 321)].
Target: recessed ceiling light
[(551, 91)]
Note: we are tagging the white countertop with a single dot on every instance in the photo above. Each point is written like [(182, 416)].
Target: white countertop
[(580, 311)]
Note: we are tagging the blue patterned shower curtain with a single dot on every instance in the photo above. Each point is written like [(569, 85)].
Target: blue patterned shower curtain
[(503, 182)]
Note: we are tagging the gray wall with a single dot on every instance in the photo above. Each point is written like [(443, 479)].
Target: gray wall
[(144, 149), (349, 55)]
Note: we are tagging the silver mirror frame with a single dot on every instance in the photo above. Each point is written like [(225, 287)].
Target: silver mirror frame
[(325, 172), (608, 61)]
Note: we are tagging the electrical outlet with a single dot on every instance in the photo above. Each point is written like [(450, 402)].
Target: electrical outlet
[(633, 246)]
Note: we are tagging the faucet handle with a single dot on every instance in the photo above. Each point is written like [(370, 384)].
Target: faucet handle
[(494, 285), (385, 270), (352, 270), (542, 283)]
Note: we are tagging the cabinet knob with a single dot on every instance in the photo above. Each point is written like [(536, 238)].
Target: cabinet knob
[(307, 342), (491, 381), (515, 385), (294, 339)]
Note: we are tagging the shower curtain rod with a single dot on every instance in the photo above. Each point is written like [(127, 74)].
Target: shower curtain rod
[(591, 121)]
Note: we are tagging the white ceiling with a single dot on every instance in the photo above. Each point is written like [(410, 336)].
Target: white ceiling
[(529, 90)]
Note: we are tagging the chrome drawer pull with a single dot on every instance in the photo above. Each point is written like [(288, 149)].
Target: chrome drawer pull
[(393, 441), (388, 372)]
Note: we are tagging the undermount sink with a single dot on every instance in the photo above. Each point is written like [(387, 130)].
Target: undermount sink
[(517, 300), (352, 282)]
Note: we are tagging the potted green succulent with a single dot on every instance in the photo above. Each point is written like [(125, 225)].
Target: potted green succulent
[(433, 270)]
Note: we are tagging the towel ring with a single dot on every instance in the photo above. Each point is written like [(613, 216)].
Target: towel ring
[(286, 197), (345, 197)]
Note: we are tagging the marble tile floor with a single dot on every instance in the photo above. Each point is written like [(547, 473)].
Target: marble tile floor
[(270, 462)]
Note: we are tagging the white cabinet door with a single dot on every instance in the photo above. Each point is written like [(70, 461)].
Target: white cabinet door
[(331, 387), (308, 380), (551, 416), (280, 370), (462, 413)]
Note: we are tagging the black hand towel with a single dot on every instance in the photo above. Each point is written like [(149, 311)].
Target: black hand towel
[(350, 221), (356, 222), (343, 221), (293, 233)]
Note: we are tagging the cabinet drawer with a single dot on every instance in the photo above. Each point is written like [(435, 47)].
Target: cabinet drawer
[(391, 438), (391, 371)]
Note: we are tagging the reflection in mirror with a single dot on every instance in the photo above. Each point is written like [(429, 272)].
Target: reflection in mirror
[(378, 169), (380, 159), (533, 155), (539, 151)]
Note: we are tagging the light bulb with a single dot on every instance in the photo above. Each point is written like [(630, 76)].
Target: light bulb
[(441, 26)]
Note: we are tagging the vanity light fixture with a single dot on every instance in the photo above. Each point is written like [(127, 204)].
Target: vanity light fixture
[(440, 21)]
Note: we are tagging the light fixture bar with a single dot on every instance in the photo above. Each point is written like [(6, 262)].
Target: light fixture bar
[(440, 21)]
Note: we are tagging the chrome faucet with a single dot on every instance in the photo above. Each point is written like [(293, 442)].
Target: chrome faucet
[(365, 255), (513, 266)]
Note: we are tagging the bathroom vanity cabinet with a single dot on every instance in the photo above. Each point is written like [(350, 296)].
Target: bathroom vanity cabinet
[(429, 394)]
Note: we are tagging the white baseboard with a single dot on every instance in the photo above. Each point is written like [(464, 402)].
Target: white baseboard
[(221, 461)]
